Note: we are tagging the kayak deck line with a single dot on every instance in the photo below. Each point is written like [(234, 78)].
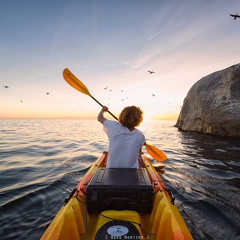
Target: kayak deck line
[(75, 221)]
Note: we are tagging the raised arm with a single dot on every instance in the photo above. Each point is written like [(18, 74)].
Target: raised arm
[(101, 117)]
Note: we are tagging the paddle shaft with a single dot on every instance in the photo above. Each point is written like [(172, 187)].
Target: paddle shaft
[(102, 106)]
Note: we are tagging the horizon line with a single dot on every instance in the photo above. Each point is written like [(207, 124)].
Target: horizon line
[(83, 118)]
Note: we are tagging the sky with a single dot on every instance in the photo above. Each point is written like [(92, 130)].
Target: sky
[(110, 45)]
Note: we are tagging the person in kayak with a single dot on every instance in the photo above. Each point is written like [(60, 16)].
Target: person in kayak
[(125, 141)]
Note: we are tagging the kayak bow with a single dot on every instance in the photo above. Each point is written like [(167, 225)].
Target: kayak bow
[(119, 204)]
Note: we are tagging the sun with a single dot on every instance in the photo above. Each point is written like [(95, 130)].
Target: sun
[(148, 114)]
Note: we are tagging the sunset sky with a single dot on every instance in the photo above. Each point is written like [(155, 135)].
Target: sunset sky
[(111, 44)]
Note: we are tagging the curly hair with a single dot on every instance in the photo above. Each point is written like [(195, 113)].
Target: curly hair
[(131, 117)]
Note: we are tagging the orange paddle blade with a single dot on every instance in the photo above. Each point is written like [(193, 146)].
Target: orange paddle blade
[(75, 82), (156, 153)]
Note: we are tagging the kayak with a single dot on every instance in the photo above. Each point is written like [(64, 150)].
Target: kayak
[(119, 203)]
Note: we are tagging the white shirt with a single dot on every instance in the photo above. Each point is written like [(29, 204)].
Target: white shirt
[(124, 145)]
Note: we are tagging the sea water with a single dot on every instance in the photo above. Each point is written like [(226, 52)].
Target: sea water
[(42, 160)]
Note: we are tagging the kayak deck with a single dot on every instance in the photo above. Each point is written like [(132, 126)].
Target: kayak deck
[(75, 222)]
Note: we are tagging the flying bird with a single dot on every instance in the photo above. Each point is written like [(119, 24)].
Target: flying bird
[(105, 88), (21, 101), (151, 72), (235, 16), (47, 93), (6, 86), (153, 95)]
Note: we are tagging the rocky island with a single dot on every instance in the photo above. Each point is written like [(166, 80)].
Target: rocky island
[(212, 105)]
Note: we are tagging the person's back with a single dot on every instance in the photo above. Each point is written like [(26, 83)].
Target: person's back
[(125, 141)]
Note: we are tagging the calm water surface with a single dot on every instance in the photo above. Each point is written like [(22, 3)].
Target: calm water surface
[(41, 161)]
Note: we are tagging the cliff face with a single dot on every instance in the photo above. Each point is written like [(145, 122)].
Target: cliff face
[(212, 105)]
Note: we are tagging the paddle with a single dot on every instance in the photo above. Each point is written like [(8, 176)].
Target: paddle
[(77, 84), (72, 80), (156, 153)]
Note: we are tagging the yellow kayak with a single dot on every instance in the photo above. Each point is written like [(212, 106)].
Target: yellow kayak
[(121, 203)]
